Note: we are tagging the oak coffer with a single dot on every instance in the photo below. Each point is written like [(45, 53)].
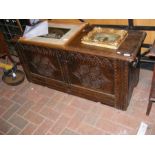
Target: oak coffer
[(97, 73)]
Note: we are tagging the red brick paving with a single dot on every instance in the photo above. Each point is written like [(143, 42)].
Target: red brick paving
[(18, 121), (87, 129), (5, 102), (29, 129), (37, 107), (33, 109), (33, 117), (19, 99), (69, 111), (4, 126), (60, 125), (13, 131), (2, 110), (11, 111), (25, 108), (49, 113), (113, 128), (44, 127), (76, 120), (68, 132)]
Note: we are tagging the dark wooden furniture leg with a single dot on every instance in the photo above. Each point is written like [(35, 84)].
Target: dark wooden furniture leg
[(149, 107), (152, 93)]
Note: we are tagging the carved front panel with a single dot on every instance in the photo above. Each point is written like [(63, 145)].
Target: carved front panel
[(91, 72), (43, 61)]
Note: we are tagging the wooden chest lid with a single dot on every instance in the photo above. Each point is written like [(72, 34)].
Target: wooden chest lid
[(127, 51)]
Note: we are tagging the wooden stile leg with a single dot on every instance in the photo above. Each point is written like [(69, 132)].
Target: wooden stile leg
[(149, 108)]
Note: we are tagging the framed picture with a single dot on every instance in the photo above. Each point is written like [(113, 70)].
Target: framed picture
[(105, 37), (58, 33)]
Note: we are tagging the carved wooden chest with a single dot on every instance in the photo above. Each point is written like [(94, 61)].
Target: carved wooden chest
[(98, 74)]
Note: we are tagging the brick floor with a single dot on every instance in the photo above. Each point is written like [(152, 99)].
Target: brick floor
[(29, 129), (18, 121), (30, 109)]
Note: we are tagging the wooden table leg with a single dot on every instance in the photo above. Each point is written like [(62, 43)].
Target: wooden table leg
[(152, 93), (149, 108)]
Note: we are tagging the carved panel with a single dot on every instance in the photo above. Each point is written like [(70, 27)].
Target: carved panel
[(91, 72), (43, 65), (43, 61)]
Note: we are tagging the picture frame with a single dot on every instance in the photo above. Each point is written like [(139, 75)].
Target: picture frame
[(105, 37)]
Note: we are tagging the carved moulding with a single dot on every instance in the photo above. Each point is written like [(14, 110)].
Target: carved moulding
[(92, 60)]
